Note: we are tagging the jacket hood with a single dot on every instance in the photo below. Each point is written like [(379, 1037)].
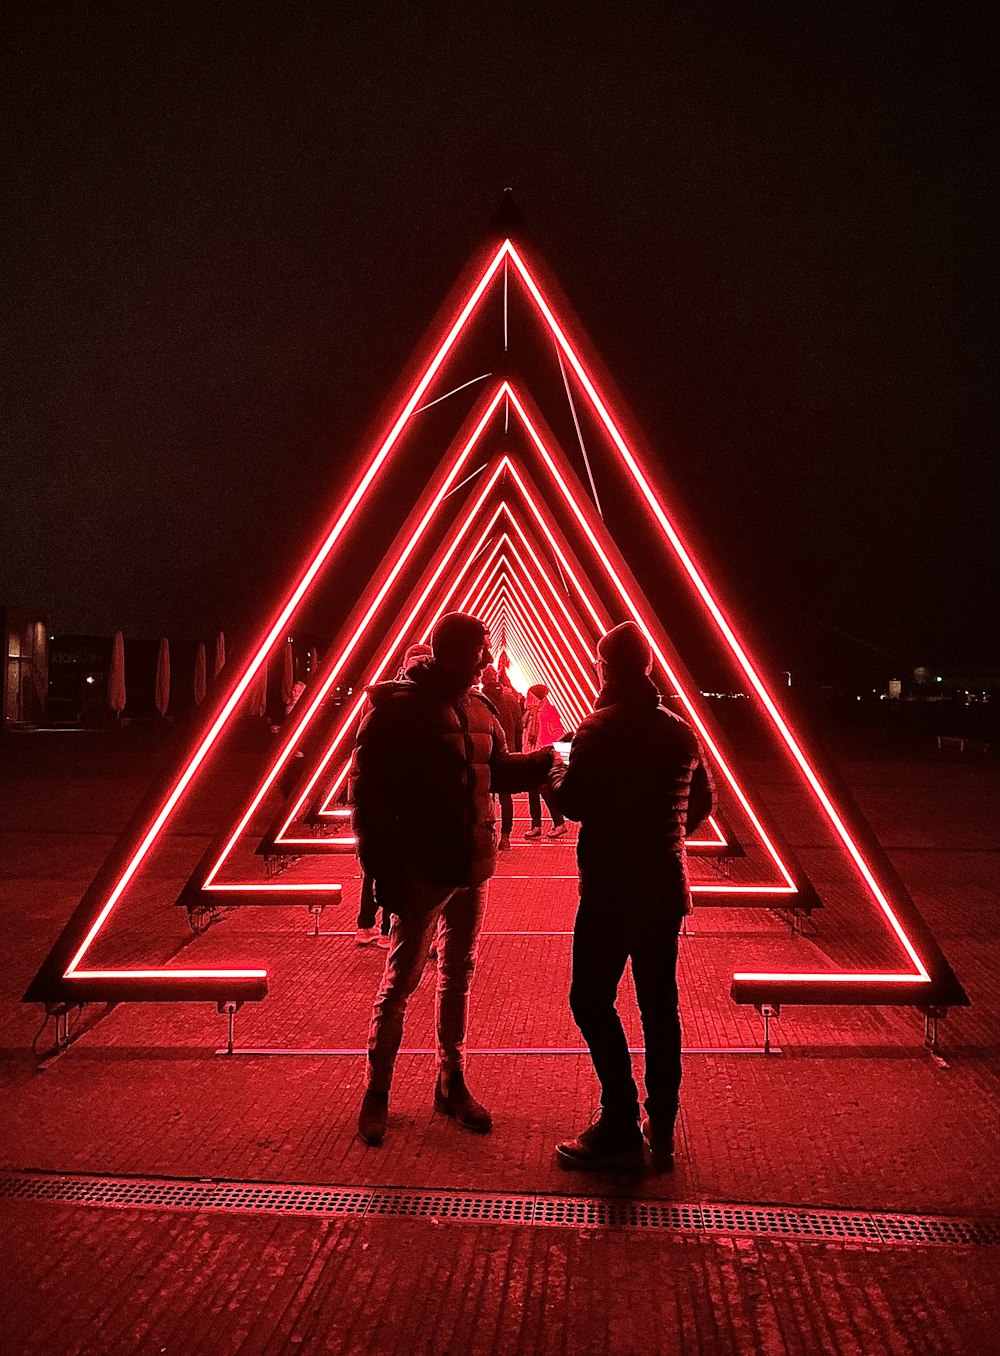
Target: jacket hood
[(428, 680), (379, 693)]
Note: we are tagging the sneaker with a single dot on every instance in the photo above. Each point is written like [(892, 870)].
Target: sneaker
[(459, 1103), (365, 936), (556, 831), (660, 1142), (384, 942), (533, 832), (504, 843), (373, 1117), (605, 1145)]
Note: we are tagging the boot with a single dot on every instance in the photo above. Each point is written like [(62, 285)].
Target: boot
[(453, 1098), (660, 1142), (373, 1117), (608, 1143)]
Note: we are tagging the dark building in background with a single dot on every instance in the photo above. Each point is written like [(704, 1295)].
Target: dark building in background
[(25, 670)]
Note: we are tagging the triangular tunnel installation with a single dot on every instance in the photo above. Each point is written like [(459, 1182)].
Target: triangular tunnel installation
[(508, 521)]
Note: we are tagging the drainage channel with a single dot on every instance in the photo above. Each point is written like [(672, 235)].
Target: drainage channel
[(560, 1212)]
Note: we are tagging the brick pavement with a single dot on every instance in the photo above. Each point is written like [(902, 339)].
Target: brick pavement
[(851, 1114)]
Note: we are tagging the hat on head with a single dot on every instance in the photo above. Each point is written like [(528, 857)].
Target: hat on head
[(625, 649), (490, 678), (456, 630)]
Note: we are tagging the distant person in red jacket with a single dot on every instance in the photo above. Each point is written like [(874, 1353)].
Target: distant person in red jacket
[(637, 784), (426, 762), (542, 726)]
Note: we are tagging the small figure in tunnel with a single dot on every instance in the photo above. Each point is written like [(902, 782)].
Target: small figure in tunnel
[(542, 726), (637, 783)]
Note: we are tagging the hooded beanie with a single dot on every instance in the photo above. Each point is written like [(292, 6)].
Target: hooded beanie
[(625, 650)]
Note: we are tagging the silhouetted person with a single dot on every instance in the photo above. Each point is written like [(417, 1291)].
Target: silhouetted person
[(505, 702), (542, 726), (426, 761), (637, 784), (368, 930)]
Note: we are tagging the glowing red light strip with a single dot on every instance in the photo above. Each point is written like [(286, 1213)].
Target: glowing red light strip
[(507, 250), (402, 633), (423, 635), (574, 709), (582, 593), (555, 666), (292, 603), (309, 711), (580, 702), (283, 837), (697, 579), (168, 974), (588, 691), (627, 599), (586, 647), (557, 651), (506, 464)]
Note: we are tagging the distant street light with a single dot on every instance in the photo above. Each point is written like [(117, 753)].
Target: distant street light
[(785, 674)]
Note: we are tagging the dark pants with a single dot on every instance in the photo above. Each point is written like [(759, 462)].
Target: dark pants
[(454, 918), (612, 926), (535, 799), (506, 812), (368, 909)]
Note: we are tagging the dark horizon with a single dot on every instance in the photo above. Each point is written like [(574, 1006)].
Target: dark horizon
[(225, 245)]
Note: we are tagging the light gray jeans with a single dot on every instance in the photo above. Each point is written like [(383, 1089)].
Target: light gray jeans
[(456, 917)]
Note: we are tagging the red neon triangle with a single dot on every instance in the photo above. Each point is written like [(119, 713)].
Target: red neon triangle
[(81, 931), (212, 882)]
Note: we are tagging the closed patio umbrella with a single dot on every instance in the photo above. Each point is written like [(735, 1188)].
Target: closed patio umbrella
[(220, 655), (200, 674), (257, 695), (163, 677), (287, 675), (116, 675)]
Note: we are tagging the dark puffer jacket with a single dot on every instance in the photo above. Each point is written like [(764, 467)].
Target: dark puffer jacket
[(637, 784), (508, 709), (427, 758)]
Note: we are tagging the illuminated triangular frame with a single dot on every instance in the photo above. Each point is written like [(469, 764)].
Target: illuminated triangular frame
[(795, 890), (62, 978)]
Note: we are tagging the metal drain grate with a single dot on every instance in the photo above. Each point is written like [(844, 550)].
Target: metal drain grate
[(559, 1212)]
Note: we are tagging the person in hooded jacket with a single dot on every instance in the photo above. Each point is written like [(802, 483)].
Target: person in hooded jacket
[(542, 726), (638, 785), (425, 764), (505, 702)]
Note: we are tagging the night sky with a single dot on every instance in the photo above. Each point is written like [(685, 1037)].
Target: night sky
[(225, 233)]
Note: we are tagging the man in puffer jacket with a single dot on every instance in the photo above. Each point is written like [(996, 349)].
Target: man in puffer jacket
[(504, 701), (426, 761), (638, 786)]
